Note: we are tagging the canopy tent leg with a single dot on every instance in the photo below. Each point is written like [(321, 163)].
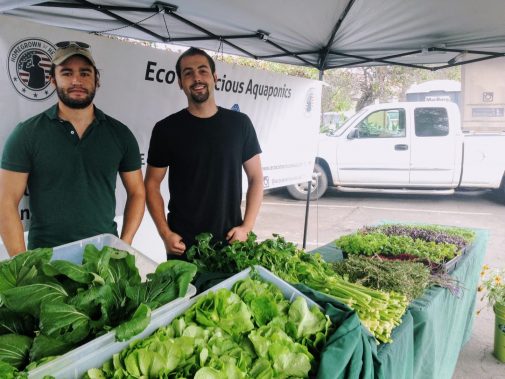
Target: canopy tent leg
[(309, 190), (307, 205)]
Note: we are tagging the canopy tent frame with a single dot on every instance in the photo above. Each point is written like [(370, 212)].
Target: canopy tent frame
[(323, 54)]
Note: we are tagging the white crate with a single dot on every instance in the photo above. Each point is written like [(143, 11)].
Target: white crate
[(73, 252), (76, 369)]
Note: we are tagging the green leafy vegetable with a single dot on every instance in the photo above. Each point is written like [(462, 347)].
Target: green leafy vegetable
[(75, 272), (225, 310), (217, 337), (8, 371), (139, 321), (98, 303), (64, 304), (28, 298), (22, 268), (289, 360), (184, 273), (14, 349), (16, 323), (95, 260), (46, 348), (305, 322), (121, 266), (158, 289), (64, 321)]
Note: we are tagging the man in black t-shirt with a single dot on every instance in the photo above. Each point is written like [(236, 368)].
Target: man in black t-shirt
[(205, 147)]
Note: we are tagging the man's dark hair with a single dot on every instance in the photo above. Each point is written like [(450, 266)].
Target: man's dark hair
[(192, 51)]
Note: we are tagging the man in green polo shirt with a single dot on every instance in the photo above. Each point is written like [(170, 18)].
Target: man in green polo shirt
[(69, 157)]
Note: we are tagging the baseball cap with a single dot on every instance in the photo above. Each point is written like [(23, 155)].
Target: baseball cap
[(67, 49)]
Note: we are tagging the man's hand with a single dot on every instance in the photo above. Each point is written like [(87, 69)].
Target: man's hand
[(238, 233), (173, 244)]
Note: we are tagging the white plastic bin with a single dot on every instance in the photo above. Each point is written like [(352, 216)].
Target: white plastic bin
[(73, 252), (67, 369)]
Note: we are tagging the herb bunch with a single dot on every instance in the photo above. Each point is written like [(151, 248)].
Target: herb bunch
[(407, 278)]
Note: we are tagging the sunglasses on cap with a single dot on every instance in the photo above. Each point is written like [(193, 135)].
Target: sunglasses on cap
[(67, 44), (67, 49)]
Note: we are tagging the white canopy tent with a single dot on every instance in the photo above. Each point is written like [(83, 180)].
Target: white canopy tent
[(323, 34)]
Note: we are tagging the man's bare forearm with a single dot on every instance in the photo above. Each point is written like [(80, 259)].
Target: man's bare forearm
[(156, 207), (133, 213), (11, 230), (254, 197)]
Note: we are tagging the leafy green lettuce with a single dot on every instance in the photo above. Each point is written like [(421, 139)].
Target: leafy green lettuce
[(221, 336)]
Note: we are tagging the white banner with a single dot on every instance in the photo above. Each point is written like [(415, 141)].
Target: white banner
[(139, 87)]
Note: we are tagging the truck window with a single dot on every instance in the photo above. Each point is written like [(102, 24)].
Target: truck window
[(431, 122), (383, 124)]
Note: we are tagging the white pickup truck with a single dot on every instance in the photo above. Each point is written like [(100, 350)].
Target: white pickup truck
[(411, 147)]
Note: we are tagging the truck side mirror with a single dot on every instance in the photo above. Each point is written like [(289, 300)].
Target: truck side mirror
[(353, 134)]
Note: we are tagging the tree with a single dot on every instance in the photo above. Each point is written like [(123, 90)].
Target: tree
[(365, 85)]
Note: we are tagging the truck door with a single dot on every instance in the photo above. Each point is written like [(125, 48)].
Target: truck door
[(376, 151), (434, 148)]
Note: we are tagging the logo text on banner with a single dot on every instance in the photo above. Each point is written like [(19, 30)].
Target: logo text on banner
[(29, 66)]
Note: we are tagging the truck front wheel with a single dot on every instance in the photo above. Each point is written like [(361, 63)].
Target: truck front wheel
[(318, 185)]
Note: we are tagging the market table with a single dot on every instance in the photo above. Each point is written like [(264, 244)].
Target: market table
[(435, 327)]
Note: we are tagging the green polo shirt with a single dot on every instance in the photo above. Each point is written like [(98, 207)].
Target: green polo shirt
[(71, 180)]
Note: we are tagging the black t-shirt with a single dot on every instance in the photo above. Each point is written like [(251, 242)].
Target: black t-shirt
[(204, 158)]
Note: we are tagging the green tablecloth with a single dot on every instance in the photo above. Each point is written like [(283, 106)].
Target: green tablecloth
[(442, 322), (436, 326), (351, 351)]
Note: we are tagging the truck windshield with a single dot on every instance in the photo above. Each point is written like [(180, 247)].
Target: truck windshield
[(350, 121)]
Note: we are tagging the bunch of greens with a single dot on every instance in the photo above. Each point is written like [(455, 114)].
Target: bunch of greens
[(407, 278), (430, 233), (379, 311), (238, 256), (50, 307), (251, 331), (376, 242)]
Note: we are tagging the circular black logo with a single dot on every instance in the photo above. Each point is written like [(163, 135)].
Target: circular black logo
[(310, 101), (29, 63)]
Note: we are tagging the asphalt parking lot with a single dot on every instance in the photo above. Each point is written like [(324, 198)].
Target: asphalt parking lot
[(340, 213)]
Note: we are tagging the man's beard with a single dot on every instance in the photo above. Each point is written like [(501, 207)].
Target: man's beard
[(200, 97), (75, 104)]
